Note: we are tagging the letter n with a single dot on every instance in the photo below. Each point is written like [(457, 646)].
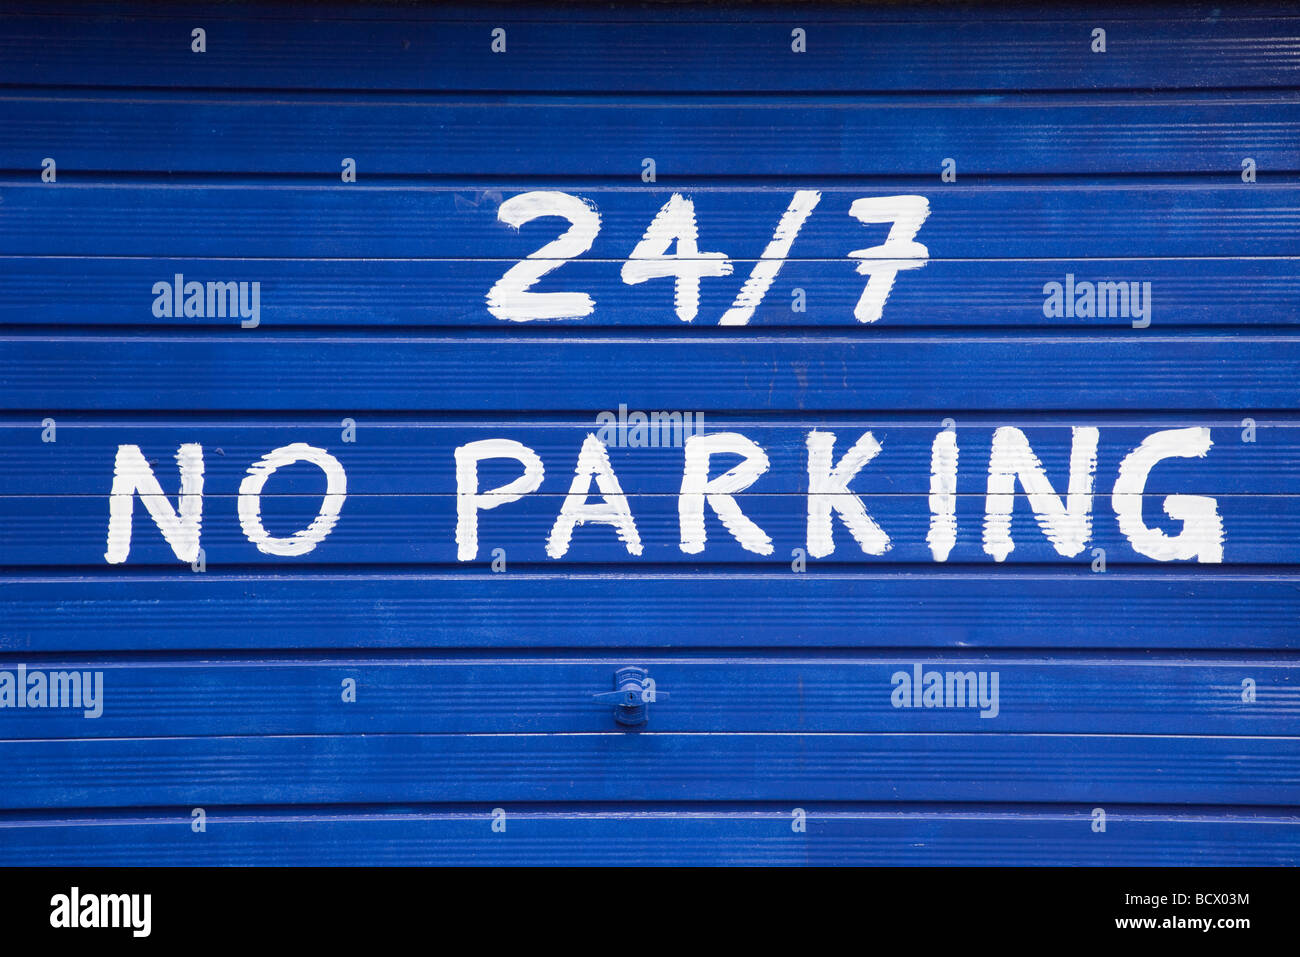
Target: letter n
[(132, 474)]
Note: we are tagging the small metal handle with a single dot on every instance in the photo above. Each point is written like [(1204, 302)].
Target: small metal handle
[(633, 691)]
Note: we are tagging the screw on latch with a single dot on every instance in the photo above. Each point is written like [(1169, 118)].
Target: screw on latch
[(633, 692)]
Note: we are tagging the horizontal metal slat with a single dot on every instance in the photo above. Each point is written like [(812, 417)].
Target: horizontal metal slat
[(352, 375), (1055, 219), (55, 293), (648, 766), (977, 836), (440, 50), (389, 455), (128, 696), (400, 530), (602, 136), (119, 610)]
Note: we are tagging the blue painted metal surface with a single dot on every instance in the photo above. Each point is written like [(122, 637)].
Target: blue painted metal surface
[(377, 690)]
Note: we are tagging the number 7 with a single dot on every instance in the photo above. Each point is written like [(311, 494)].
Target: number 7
[(899, 250)]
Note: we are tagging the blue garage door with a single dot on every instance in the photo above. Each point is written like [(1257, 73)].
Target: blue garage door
[(664, 433)]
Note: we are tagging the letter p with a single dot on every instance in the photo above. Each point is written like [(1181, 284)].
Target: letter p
[(469, 500)]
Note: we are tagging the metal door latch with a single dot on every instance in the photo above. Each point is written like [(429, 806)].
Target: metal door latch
[(634, 691)]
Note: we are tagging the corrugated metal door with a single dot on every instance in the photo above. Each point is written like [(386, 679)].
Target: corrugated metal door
[(896, 405)]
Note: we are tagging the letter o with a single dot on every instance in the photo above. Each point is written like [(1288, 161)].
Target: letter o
[(250, 497)]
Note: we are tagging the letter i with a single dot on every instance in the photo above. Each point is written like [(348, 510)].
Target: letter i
[(943, 495)]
